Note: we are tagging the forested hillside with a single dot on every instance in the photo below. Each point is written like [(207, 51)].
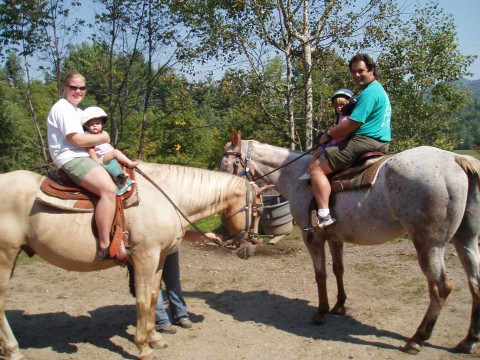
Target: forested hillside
[(281, 63), (467, 130)]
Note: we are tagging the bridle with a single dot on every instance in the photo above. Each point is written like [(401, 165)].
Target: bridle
[(240, 160), (253, 210), (247, 163)]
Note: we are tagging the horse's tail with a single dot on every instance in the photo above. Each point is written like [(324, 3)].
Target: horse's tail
[(469, 164)]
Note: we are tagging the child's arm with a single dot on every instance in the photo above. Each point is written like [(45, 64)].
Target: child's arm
[(93, 154)]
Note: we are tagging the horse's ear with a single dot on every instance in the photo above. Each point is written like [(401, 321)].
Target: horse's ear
[(265, 188), (236, 138)]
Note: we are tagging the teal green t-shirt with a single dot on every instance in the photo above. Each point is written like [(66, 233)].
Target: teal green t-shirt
[(374, 111)]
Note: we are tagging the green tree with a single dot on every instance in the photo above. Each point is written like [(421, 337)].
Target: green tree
[(467, 130), (420, 68)]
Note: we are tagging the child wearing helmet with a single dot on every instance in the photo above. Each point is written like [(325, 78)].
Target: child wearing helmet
[(339, 99), (94, 118)]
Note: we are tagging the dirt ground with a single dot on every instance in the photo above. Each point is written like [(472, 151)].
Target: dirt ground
[(258, 308)]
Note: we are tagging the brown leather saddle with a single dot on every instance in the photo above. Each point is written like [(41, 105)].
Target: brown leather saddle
[(60, 186), (360, 175)]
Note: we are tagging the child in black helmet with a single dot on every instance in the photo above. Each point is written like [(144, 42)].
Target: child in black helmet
[(339, 99), (94, 118)]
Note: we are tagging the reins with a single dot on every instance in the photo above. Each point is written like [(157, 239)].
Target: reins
[(246, 171), (137, 169), (246, 208)]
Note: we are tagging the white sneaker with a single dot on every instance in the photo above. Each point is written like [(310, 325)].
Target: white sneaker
[(305, 176)]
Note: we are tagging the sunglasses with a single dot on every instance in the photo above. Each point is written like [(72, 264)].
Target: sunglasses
[(75, 88)]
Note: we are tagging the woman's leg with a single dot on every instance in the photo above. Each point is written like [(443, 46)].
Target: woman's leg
[(99, 182)]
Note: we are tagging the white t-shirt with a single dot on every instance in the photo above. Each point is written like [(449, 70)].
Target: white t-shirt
[(64, 119)]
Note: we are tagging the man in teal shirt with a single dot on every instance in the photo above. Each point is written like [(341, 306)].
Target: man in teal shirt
[(367, 129)]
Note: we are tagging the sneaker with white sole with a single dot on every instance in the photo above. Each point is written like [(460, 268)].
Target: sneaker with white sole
[(325, 221), (322, 223)]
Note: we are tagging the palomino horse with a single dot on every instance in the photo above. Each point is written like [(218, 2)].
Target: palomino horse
[(430, 194), (155, 227)]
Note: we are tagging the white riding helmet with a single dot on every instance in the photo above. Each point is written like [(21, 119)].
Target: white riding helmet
[(345, 93), (93, 112)]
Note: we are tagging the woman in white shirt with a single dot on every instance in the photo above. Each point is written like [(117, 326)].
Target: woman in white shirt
[(67, 144)]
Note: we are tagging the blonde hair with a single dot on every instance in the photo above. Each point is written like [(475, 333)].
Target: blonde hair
[(71, 75), (339, 101)]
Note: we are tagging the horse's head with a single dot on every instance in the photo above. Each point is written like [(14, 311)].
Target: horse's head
[(234, 160), (242, 219)]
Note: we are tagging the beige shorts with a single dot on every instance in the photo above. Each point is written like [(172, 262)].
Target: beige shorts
[(343, 154), (77, 168)]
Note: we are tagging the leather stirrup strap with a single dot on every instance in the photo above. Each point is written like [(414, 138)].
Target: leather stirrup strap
[(118, 226)]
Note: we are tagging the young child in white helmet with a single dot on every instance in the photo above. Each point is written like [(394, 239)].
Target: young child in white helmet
[(339, 99), (93, 121)]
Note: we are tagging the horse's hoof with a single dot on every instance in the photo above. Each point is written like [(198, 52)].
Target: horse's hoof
[(465, 347), (158, 344), (318, 319), (338, 310), (157, 341), (412, 348)]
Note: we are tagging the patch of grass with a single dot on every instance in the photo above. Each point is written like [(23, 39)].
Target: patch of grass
[(373, 271), (417, 286), (210, 224), (205, 285), (23, 257), (366, 267)]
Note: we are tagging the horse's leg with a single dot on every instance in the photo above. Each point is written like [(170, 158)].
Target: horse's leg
[(439, 287), (155, 339), (145, 267), (336, 250), (10, 349), (469, 256), (316, 247)]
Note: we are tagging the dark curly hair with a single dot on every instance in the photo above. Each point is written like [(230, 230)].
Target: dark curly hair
[(369, 63)]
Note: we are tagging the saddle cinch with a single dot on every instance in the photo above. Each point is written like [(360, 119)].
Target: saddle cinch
[(62, 193)]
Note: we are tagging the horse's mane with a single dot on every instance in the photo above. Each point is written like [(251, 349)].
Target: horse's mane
[(205, 184), (288, 153)]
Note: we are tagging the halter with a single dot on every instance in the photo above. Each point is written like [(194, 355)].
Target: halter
[(252, 215), (245, 162), (252, 211)]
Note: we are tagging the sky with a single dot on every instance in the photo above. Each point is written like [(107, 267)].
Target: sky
[(466, 13)]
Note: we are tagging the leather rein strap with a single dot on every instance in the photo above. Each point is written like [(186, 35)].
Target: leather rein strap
[(247, 163), (249, 224), (250, 213)]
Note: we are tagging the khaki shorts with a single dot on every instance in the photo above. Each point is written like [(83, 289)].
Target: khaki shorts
[(344, 153), (77, 168)]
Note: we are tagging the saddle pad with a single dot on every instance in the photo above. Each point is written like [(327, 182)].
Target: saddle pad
[(360, 177), (68, 197)]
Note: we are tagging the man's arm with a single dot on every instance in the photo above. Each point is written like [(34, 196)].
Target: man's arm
[(345, 128)]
